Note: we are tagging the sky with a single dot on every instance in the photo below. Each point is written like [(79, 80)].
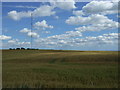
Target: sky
[(61, 25)]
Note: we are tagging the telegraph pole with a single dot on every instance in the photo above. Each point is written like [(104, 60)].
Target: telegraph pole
[(31, 28)]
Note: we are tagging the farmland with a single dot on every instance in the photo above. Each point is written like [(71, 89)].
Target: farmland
[(59, 69)]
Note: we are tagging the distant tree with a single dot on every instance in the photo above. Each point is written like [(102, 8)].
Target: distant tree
[(28, 48), (22, 48), (17, 48), (10, 49)]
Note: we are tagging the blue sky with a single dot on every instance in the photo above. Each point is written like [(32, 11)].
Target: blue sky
[(61, 25)]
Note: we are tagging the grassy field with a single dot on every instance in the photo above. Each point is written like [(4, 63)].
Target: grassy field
[(59, 69)]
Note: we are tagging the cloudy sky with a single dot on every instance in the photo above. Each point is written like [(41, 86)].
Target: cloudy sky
[(61, 25)]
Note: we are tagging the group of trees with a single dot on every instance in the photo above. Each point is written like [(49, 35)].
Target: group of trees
[(22, 48)]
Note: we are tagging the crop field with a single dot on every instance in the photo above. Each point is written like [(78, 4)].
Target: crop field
[(59, 69)]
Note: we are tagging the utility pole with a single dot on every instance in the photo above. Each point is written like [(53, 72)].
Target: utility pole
[(31, 28)]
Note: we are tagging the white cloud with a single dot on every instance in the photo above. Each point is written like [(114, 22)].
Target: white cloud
[(18, 15), (4, 37), (25, 30), (47, 32), (78, 13), (44, 10), (33, 34), (17, 43), (58, 40), (101, 7), (74, 33), (98, 27), (42, 25), (61, 41), (29, 32), (95, 22), (13, 41), (67, 35), (25, 7), (66, 5), (20, 6), (56, 17), (90, 41), (118, 16), (92, 19), (110, 38)]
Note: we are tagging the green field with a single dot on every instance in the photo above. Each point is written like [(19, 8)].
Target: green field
[(59, 69)]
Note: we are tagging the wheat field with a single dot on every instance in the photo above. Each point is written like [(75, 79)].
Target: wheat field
[(59, 69)]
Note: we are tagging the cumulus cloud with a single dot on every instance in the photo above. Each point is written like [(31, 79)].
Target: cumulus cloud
[(44, 10), (4, 37), (118, 16), (33, 34), (98, 27), (101, 7), (67, 35), (17, 42), (78, 13), (92, 19), (25, 30), (58, 40), (38, 26), (110, 38), (20, 6), (55, 41), (29, 32), (56, 17), (18, 15), (94, 22), (13, 41), (66, 5), (47, 32), (42, 25)]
